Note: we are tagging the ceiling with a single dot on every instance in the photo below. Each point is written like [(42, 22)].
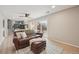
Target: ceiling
[(35, 11)]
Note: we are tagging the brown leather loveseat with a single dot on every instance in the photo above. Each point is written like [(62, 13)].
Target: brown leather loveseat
[(20, 43)]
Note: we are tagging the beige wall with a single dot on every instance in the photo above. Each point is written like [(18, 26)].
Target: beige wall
[(64, 26)]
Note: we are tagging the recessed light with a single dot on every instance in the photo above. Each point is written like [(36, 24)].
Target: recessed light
[(53, 6)]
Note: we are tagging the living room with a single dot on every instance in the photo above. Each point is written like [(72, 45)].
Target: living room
[(45, 29)]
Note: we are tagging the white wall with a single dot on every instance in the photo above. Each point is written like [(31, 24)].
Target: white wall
[(2, 17), (1, 29), (42, 19), (64, 26)]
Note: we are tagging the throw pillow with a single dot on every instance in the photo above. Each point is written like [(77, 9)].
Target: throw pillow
[(18, 34), (23, 34)]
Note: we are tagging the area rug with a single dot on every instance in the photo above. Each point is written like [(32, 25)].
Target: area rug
[(50, 49)]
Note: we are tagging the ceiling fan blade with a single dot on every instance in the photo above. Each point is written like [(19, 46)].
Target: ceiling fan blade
[(26, 15)]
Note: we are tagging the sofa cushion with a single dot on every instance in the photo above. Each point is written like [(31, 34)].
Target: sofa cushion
[(23, 34), (18, 34)]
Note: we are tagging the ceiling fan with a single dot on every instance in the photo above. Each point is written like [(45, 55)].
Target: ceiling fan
[(24, 15)]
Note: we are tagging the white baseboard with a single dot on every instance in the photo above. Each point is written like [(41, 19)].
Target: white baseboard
[(64, 42)]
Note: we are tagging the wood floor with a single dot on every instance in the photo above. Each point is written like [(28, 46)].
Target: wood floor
[(67, 48), (7, 47)]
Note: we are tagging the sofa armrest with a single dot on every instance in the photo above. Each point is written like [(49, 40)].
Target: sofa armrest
[(41, 34), (15, 39)]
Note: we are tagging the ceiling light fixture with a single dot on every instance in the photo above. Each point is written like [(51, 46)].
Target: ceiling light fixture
[(26, 15), (53, 6)]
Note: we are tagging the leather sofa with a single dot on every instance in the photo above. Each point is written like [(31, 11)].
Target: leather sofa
[(20, 43)]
